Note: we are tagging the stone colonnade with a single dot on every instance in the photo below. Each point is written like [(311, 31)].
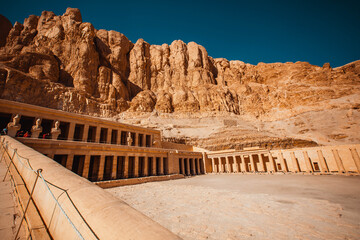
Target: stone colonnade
[(71, 127), (98, 167), (191, 166), (329, 159)]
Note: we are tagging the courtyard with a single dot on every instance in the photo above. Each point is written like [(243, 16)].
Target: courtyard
[(237, 206)]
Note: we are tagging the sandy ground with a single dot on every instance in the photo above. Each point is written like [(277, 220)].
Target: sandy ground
[(237, 206)]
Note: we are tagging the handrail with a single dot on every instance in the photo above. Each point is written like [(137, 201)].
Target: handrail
[(23, 161)]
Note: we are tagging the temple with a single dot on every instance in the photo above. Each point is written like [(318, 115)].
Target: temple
[(103, 150), (98, 149)]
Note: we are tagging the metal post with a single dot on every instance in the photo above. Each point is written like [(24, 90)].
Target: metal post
[(28, 203), (11, 162)]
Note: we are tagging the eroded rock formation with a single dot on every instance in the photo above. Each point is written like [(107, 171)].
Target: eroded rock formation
[(63, 63)]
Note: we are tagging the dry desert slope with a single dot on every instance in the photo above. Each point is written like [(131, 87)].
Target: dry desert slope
[(63, 63)]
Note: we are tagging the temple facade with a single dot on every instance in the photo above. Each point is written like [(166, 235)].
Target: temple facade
[(95, 148), (102, 150), (342, 159)]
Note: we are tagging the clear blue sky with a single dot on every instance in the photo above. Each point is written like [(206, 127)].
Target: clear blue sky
[(250, 31)]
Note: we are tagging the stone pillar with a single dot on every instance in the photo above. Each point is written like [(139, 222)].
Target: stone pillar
[(308, 162), (213, 165), (191, 166), (227, 166), (295, 162), (199, 165), (50, 156), (136, 168), (243, 164), (114, 168), (69, 161), (182, 165), (146, 170), (118, 137), (283, 162), (71, 131), (262, 164), (126, 167), (356, 158), (86, 132), (85, 173), (220, 165), (252, 163), (144, 140), (154, 167), (235, 165), (338, 161), (108, 138), (188, 166), (97, 135), (101, 168), (272, 163), (196, 165), (136, 139), (322, 161)]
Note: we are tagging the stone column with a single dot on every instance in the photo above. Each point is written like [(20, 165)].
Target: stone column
[(243, 164), (262, 164), (199, 165), (126, 167), (136, 168), (213, 165), (272, 162), (308, 162), (136, 139), (283, 162), (51, 155), (108, 138), (69, 161), (71, 131), (183, 165), (151, 141), (154, 167), (101, 168), (220, 165), (144, 140), (227, 166), (252, 163), (86, 132), (235, 165), (295, 162), (146, 162), (114, 168), (97, 135), (196, 166), (192, 163), (85, 173), (338, 161), (188, 166), (356, 158), (322, 161), (118, 137)]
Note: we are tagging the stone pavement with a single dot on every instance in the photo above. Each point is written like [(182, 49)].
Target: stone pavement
[(10, 214)]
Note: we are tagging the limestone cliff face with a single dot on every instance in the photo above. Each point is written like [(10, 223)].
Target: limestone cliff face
[(63, 63)]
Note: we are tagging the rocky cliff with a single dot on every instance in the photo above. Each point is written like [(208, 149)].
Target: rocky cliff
[(63, 63)]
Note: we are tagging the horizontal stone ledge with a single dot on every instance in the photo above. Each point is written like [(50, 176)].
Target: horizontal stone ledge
[(133, 181)]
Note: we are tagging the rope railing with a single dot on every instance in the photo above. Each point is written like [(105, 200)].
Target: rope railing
[(25, 163)]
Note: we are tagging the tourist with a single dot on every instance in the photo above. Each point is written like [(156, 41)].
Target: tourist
[(4, 131)]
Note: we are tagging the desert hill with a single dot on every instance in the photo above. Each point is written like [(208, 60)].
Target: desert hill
[(63, 63)]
